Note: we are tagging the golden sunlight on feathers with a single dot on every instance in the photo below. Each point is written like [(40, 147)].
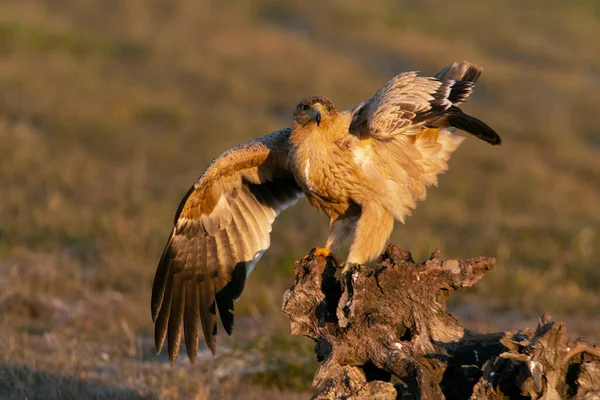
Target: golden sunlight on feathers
[(364, 167)]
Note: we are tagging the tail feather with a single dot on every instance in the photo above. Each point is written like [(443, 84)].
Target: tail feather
[(458, 119), (460, 92), (464, 71)]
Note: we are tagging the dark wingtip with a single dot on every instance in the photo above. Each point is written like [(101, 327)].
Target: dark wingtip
[(497, 142), (173, 352), (488, 134), (158, 343), (161, 278), (456, 118), (191, 354), (211, 341), (159, 339), (154, 309), (208, 313), (162, 320), (464, 71), (224, 299)]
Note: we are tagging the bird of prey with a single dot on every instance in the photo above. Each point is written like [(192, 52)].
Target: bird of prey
[(364, 168)]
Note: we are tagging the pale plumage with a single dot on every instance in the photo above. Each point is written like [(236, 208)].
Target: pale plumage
[(364, 167)]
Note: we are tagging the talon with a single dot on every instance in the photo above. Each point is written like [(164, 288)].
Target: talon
[(320, 251), (323, 252), (348, 267)]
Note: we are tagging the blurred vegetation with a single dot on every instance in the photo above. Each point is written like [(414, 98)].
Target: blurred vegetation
[(109, 110)]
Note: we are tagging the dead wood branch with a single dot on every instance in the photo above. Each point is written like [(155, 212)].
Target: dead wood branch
[(385, 333)]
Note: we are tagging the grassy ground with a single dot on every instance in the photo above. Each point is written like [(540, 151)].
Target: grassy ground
[(109, 111)]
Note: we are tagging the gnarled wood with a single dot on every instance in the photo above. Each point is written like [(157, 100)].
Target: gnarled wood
[(375, 326)]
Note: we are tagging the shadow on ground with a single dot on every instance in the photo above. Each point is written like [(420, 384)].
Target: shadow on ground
[(19, 381)]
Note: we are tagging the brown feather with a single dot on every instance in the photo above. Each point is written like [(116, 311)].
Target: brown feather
[(245, 237), (208, 313), (255, 217), (176, 317), (200, 272), (235, 239), (212, 258), (162, 320), (161, 278), (191, 319), (225, 254)]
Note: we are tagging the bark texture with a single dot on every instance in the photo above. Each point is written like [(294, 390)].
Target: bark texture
[(384, 333)]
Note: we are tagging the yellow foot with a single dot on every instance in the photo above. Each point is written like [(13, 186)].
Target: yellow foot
[(323, 252), (320, 251)]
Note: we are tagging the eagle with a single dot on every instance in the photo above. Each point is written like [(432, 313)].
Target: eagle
[(364, 168)]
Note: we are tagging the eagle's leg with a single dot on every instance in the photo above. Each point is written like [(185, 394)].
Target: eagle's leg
[(372, 231), (342, 227)]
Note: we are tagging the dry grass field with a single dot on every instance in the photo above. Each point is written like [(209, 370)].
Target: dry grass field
[(110, 109)]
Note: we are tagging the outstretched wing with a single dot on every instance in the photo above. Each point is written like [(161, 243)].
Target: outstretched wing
[(402, 138), (409, 102), (221, 229)]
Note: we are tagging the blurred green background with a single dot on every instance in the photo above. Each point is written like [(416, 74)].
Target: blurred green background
[(109, 110)]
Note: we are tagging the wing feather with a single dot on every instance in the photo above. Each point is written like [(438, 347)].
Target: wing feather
[(212, 259), (162, 319), (208, 314), (225, 253), (224, 298), (409, 103), (256, 220), (191, 319), (402, 137), (267, 195), (403, 104), (176, 317), (200, 269), (235, 238), (246, 239), (221, 228), (160, 278)]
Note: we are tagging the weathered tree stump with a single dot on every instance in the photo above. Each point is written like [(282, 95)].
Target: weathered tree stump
[(385, 333)]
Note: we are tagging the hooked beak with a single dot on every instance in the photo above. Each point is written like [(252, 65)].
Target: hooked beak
[(320, 113)]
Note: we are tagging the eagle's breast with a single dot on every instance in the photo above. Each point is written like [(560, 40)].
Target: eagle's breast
[(309, 184)]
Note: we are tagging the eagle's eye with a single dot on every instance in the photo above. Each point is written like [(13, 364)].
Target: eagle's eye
[(305, 107), (328, 108)]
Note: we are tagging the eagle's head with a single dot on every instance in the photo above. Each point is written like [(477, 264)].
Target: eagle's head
[(314, 110)]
